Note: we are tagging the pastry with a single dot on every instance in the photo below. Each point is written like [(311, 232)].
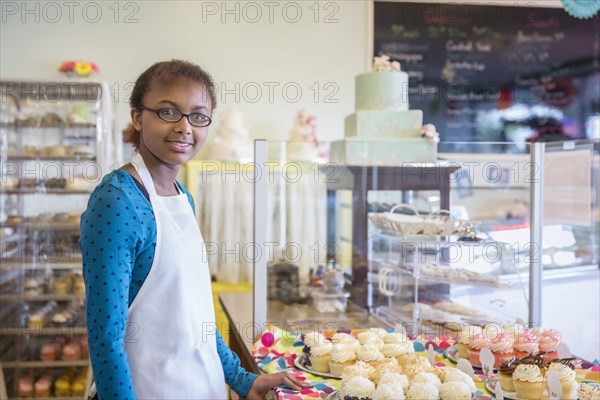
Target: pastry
[(32, 287), (526, 344), (60, 217), (56, 151), (549, 340), (27, 121), (51, 120), (463, 338), (357, 387), (454, 391), (14, 219), (320, 356), (566, 376), (62, 386), (342, 356), (505, 373), (83, 150), (36, 321), (456, 375), (359, 368), (392, 377), (427, 377), (370, 337), (417, 365), (398, 346), (388, 365), (29, 151), (79, 183), (420, 391), (370, 353), (8, 182), (74, 218), (589, 391), (25, 386), (502, 348), (529, 382), (479, 342), (390, 390), (71, 352), (42, 386)]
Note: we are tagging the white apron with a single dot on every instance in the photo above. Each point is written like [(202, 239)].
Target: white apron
[(170, 342)]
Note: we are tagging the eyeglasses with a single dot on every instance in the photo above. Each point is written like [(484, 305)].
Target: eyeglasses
[(174, 115)]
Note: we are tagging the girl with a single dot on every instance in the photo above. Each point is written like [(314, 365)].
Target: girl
[(149, 301)]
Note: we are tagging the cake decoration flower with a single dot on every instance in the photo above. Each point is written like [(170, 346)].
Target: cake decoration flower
[(430, 132), (80, 68), (383, 64)]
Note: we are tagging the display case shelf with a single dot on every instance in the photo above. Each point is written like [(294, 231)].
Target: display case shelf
[(45, 364), (45, 331), (50, 158), (57, 191), (41, 297)]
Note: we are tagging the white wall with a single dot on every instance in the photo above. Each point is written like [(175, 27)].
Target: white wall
[(324, 48)]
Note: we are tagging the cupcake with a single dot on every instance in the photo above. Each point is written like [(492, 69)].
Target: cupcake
[(479, 342), (388, 365), (455, 391), (42, 386), (417, 365), (549, 340), (398, 346), (566, 375), (358, 388), (441, 372), (71, 352), (342, 356), (529, 382), (505, 373), (344, 338), (464, 337), (526, 344), (456, 375), (391, 377), (388, 391), (421, 391), (320, 356), (49, 351), (359, 368), (370, 353), (427, 377), (25, 387), (502, 348), (62, 387), (370, 337)]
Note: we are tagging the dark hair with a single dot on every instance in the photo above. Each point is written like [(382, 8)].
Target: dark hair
[(166, 71)]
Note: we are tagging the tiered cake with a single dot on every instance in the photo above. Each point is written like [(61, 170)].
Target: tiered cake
[(383, 131)]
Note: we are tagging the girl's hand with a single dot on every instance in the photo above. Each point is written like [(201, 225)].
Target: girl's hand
[(264, 383)]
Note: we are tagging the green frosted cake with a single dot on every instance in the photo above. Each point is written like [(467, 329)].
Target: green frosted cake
[(383, 131)]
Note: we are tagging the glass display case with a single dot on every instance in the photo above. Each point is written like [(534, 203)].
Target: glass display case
[(56, 145), (471, 238)]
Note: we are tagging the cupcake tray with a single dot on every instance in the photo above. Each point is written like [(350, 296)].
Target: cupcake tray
[(301, 364), (450, 354), (334, 396), (490, 385)]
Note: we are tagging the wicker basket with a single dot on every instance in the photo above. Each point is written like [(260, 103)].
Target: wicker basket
[(438, 223)]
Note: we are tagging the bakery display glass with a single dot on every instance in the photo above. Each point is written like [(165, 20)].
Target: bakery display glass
[(56, 144)]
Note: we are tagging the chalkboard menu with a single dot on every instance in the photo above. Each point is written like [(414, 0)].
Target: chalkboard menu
[(495, 73)]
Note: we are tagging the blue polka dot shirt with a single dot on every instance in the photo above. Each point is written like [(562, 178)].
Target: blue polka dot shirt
[(118, 238)]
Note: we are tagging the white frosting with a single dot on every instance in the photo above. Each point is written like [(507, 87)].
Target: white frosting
[(421, 391), (379, 332), (456, 375), (392, 377), (232, 142), (370, 338), (589, 391), (455, 391), (320, 350), (563, 372), (427, 377), (342, 353), (528, 373), (396, 337), (344, 338), (358, 386), (369, 353), (359, 368), (467, 333), (312, 339), (388, 391), (395, 349)]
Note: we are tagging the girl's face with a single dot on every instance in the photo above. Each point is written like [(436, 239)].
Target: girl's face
[(171, 144)]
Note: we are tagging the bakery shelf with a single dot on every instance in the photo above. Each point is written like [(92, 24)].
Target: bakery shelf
[(54, 225), (434, 279), (45, 364), (48, 398), (57, 191), (75, 265), (46, 331), (41, 297)]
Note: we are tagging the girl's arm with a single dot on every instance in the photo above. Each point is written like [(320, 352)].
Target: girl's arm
[(236, 377)]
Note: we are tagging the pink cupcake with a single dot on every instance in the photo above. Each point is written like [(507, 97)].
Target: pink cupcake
[(502, 348), (549, 340), (71, 352), (527, 343), (475, 345)]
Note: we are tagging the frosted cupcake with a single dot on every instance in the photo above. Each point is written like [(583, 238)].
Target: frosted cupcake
[(344, 338), (359, 368), (456, 375), (502, 348), (549, 340), (589, 391), (421, 391), (391, 377), (358, 388), (388, 391), (417, 365), (505, 373), (370, 353), (320, 356), (526, 344), (567, 380), (455, 391), (463, 338), (342, 356), (388, 365), (370, 337), (529, 382), (479, 342), (427, 377), (398, 346)]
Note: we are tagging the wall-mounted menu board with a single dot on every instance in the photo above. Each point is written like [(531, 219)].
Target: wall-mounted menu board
[(495, 73)]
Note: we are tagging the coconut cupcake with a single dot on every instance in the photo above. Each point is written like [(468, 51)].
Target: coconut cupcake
[(320, 356), (455, 391), (421, 391), (427, 377), (529, 382), (456, 375), (388, 391), (417, 365), (342, 356), (566, 375), (359, 368), (357, 388), (391, 377), (388, 365), (589, 391)]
